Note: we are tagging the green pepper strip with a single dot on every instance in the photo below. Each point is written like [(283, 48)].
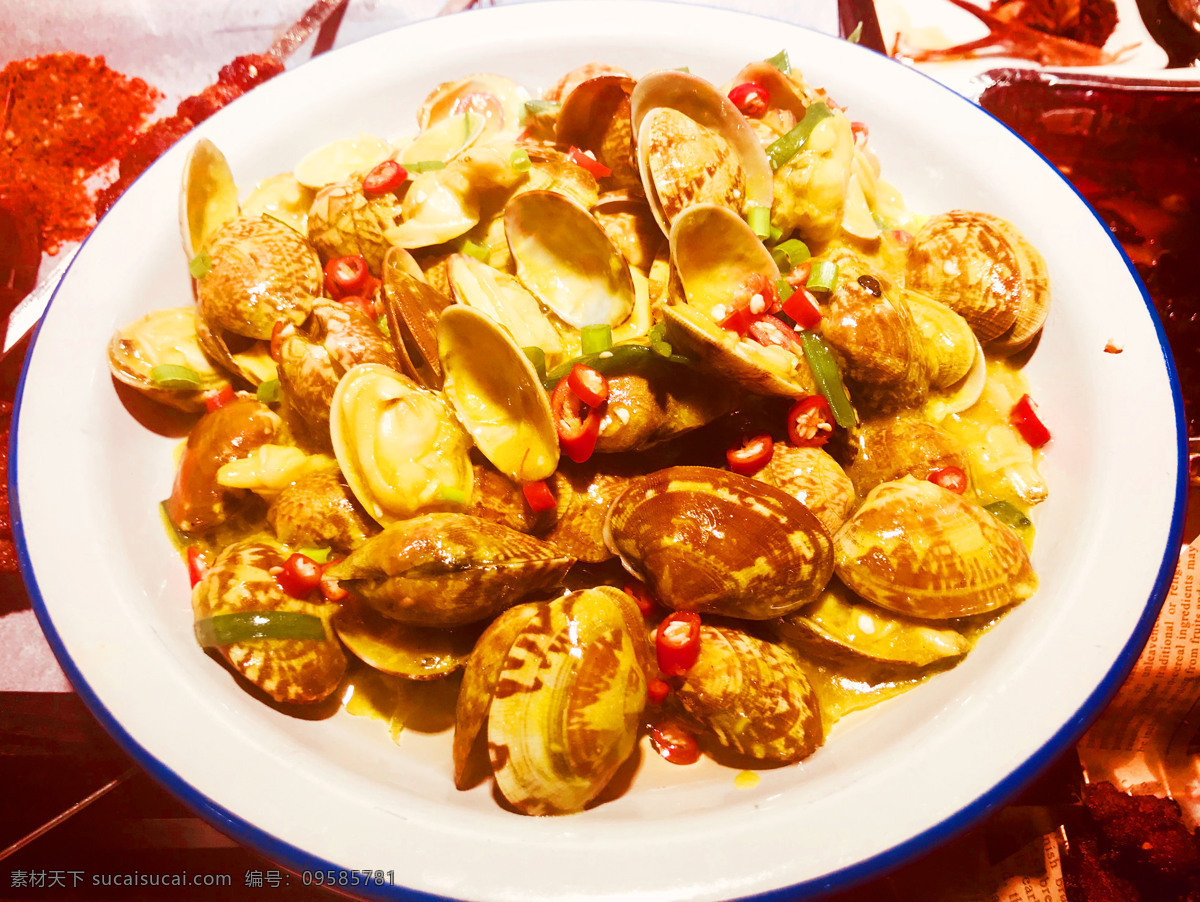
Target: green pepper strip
[(780, 61), (618, 359), (829, 380), (269, 392), (172, 375), (1008, 514), (538, 358), (227, 629), (783, 149)]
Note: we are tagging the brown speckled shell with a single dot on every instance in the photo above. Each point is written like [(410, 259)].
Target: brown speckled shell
[(814, 479), (752, 695), (713, 541), (318, 509), (916, 548), (893, 448), (295, 671)]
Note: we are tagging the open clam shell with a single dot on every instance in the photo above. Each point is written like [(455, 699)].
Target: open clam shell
[(338, 160), (163, 337), (497, 100), (920, 550), (413, 308), (567, 259), (693, 145), (208, 197), (401, 649), (497, 395), (595, 116)]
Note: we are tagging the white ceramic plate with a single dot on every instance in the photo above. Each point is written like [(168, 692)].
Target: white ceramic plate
[(113, 597)]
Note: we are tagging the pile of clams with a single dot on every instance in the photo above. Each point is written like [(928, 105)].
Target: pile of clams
[(643, 410)]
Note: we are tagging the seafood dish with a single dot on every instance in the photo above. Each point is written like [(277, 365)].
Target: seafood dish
[(641, 409)]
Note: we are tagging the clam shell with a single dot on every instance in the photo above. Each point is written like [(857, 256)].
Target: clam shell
[(497, 395), (628, 221), (318, 509), (208, 196), (294, 671), (752, 695), (840, 627), (566, 708), (920, 550), (714, 541), (448, 569), (413, 308), (343, 221), (814, 479), (595, 116), (584, 495), (163, 337), (713, 250), (500, 100), (400, 446), (282, 197), (902, 446), (664, 401), (981, 266), (339, 160), (567, 260), (401, 649), (245, 357), (261, 272), (948, 336)]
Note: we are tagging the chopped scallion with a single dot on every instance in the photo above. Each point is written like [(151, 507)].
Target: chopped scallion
[(172, 375), (823, 276), (425, 165), (519, 160), (535, 109), (775, 235), (828, 378), (759, 219), (785, 290), (538, 358), (783, 149), (317, 553), (269, 391), (452, 495), (201, 265), (596, 338), (226, 629), (795, 251), (478, 251), (855, 36), (1008, 514), (781, 62), (662, 348)]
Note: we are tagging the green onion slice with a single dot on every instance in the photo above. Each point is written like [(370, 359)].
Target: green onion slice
[(226, 629), (537, 108), (478, 251), (855, 36), (269, 391), (775, 235), (795, 251), (596, 338), (780, 61), (784, 288), (519, 160), (829, 379), (823, 276), (200, 265), (759, 219), (172, 375), (538, 358), (783, 149), (1008, 514), (317, 553), (451, 495), (425, 165)]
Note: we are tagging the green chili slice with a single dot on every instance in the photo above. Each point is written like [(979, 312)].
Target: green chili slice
[(200, 265), (823, 276), (780, 61), (478, 251), (269, 391), (317, 553), (829, 379), (172, 375), (226, 629), (538, 358), (759, 219), (619, 359), (596, 338), (451, 495), (1008, 514), (783, 149)]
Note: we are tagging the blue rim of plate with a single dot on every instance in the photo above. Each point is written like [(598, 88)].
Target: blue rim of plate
[(299, 861)]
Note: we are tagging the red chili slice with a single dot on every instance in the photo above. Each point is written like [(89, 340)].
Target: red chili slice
[(677, 642), (754, 454), (798, 277), (588, 162), (215, 400), (657, 691), (645, 601), (196, 563), (299, 575), (674, 743), (1025, 417), (484, 103), (588, 384), (387, 176), (802, 307), (770, 330), (363, 305), (952, 478), (751, 98), (756, 285), (330, 587), (277, 339), (346, 276), (810, 422), (577, 427), (538, 496)]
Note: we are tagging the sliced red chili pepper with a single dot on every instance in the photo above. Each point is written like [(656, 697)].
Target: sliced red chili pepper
[(810, 422), (674, 742), (577, 428), (677, 642), (277, 339), (645, 601), (751, 98), (588, 162), (364, 305), (859, 130), (1025, 417), (770, 330), (758, 294), (739, 321), (588, 384), (802, 307), (538, 496), (215, 400), (798, 277), (330, 587), (387, 176), (346, 276), (484, 103), (754, 454), (952, 478), (657, 691), (299, 575), (196, 563)]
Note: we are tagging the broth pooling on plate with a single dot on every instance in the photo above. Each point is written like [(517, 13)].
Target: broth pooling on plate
[(641, 408)]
